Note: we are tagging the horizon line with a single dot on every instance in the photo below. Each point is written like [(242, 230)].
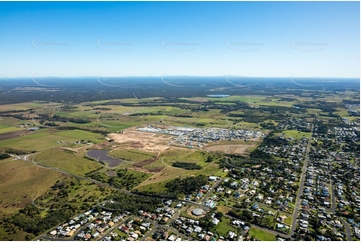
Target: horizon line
[(96, 76)]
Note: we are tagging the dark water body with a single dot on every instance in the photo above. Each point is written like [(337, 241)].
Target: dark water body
[(102, 155)]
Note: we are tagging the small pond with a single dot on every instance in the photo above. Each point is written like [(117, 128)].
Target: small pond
[(102, 155)]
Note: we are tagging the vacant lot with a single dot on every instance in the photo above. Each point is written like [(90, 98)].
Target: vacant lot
[(262, 235), (296, 134), (133, 139)]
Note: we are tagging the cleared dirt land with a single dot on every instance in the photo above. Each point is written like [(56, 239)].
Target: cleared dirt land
[(146, 141), (14, 134)]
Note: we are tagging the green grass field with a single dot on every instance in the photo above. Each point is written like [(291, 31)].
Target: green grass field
[(224, 226), (20, 106), (7, 129), (68, 162), (79, 135), (20, 182), (157, 181), (132, 155), (124, 178), (46, 139), (296, 134), (262, 235), (248, 99)]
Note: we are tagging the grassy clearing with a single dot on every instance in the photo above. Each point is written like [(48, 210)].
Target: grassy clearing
[(157, 181), (165, 175), (121, 234), (296, 134), (224, 226), (20, 106), (153, 187), (81, 194), (132, 155), (124, 178), (248, 99), (155, 165), (20, 182), (266, 208), (185, 155), (261, 234), (7, 129), (223, 209), (12, 122), (225, 103), (67, 162), (77, 114), (342, 112), (18, 236), (46, 139), (275, 102), (79, 135)]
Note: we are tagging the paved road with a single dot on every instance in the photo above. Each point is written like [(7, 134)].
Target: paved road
[(348, 229), (149, 232), (203, 200), (300, 190), (333, 198)]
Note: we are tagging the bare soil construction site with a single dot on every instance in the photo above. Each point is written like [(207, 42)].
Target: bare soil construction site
[(146, 141)]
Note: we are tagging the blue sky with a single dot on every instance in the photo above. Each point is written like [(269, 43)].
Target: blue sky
[(263, 39)]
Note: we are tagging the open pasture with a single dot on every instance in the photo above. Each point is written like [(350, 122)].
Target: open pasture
[(68, 162), (20, 182), (47, 138), (296, 134)]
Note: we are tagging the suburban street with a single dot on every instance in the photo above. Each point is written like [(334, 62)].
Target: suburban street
[(300, 189), (204, 199), (347, 228)]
